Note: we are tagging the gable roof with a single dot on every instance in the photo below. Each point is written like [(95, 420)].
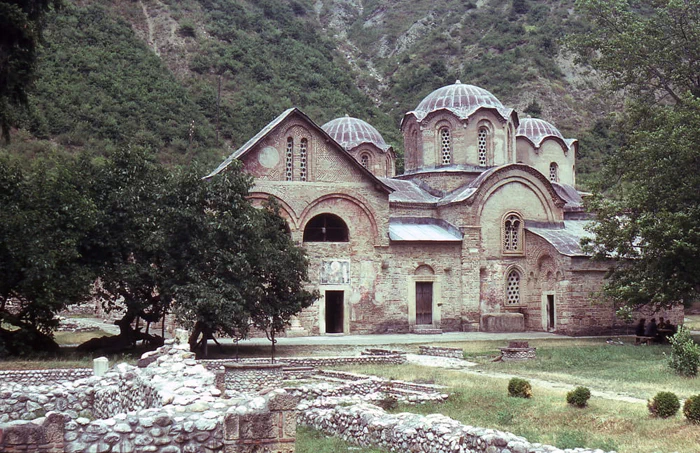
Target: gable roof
[(272, 125)]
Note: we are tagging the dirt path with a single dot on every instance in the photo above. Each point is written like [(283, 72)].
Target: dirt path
[(466, 367)]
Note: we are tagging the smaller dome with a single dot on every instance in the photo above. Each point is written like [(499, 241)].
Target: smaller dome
[(351, 132), (460, 99), (536, 130)]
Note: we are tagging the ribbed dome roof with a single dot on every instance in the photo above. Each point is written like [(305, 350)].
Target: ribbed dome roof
[(351, 132), (536, 130), (460, 99)]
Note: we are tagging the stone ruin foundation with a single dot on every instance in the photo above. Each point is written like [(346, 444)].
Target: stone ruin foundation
[(173, 405), (518, 350)]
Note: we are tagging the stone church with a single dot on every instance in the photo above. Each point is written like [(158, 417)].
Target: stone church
[(481, 232)]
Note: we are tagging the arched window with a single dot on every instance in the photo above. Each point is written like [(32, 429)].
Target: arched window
[(483, 145), (289, 159), (446, 146), (512, 234), (513, 288), (326, 228), (553, 172), (364, 160), (303, 147)]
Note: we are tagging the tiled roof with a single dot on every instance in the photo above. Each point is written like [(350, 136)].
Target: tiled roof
[(422, 230), (352, 132), (537, 130), (408, 192), (461, 99), (566, 240)]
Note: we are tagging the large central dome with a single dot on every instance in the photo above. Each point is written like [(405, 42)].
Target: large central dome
[(352, 132), (460, 99)]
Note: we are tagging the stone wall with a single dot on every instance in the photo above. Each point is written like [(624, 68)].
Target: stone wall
[(44, 376), (368, 425), (453, 353), (251, 377), (41, 435), (386, 359), (171, 405)]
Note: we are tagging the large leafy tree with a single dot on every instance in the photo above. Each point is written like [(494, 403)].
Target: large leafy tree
[(21, 22), (243, 268), (648, 197), (44, 221)]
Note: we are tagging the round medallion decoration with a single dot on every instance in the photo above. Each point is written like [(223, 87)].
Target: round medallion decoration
[(269, 157)]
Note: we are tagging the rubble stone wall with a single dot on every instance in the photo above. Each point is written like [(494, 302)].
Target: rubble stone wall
[(31, 377), (169, 406), (387, 359), (368, 425), (453, 353)]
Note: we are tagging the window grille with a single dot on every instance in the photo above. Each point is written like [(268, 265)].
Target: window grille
[(446, 141), (553, 176), (289, 166), (511, 236), (483, 134), (513, 288), (364, 160), (302, 159)]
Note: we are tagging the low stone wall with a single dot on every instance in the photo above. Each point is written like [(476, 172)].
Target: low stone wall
[(251, 377), (169, 406), (317, 362), (369, 426), (453, 353), (31, 377), (42, 435), (119, 391)]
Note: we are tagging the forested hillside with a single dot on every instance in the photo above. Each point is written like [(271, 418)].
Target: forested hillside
[(171, 74)]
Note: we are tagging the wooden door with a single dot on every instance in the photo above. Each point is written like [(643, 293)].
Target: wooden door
[(424, 303)]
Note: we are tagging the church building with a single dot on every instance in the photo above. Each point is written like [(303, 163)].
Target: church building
[(481, 232)]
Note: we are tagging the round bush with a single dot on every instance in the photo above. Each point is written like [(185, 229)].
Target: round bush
[(520, 388), (691, 409), (664, 405), (578, 397)]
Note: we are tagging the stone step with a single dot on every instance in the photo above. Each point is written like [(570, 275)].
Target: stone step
[(427, 331)]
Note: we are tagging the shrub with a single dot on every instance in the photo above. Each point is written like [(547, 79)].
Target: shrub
[(520, 388), (691, 409), (685, 353), (664, 405), (578, 397)]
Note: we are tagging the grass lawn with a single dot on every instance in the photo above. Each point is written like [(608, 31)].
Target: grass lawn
[(692, 322), (546, 418), (639, 371)]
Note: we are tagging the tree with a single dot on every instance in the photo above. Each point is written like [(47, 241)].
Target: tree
[(44, 219), (648, 197), (243, 268), (647, 47), (21, 22)]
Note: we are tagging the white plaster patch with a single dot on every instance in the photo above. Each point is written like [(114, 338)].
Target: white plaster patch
[(269, 157)]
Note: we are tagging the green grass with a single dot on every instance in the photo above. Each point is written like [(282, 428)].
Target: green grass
[(546, 418), (65, 338), (312, 441), (692, 322)]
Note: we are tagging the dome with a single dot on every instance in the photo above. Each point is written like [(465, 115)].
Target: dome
[(460, 99), (351, 132), (536, 130)]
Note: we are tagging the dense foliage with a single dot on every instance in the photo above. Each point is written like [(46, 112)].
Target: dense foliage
[(664, 405), (21, 22), (519, 388), (685, 353), (44, 265), (578, 397), (97, 81), (647, 199), (691, 409), (158, 240)]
